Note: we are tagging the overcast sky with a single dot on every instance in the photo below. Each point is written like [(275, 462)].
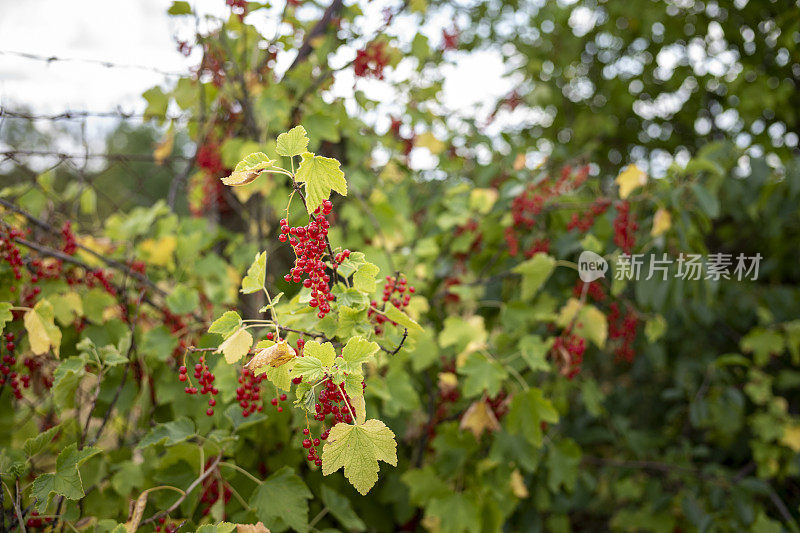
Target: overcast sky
[(140, 33)]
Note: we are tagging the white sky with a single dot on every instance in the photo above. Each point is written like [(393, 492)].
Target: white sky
[(139, 32)]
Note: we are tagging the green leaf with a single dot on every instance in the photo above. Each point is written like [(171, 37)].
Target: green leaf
[(352, 264), (483, 374), (66, 480), (278, 375), (563, 461), (364, 278), (66, 307), (281, 500), (325, 353), (462, 332), (88, 201), (358, 449), (535, 272), (424, 485), (352, 385), (708, 202), (341, 509), (357, 351), (183, 300), (309, 367), (534, 351), (169, 433), (180, 7), (248, 169), (763, 344), (457, 512), (13, 462), (256, 275), (95, 302), (293, 142), (65, 381), (396, 315), (5, 314), (226, 325), (36, 444), (526, 412), (352, 322), (128, 477), (654, 328), (350, 297), (321, 175), (275, 300)]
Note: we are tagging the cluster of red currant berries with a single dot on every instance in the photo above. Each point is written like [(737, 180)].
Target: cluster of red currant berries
[(237, 6), (625, 227), (498, 404), (448, 395), (529, 204), (205, 379), (398, 292), (36, 521), (70, 243), (211, 486), (310, 244), (622, 328), (568, 351), (594, 290), (450, 39), (10, 251), (312, 444), (7, 372), (370, 61), (584, 222), (248, 393), (334, 404)]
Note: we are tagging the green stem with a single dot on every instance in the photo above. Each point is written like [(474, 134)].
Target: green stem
[(241, 471)]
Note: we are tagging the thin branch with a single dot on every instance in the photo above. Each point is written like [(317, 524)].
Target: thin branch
[(208, 471), (64, 257), (319, 29), (399, 346)]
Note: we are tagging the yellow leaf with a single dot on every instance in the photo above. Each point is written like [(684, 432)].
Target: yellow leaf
[(662, 221), (519, 162), (429, 141), (164, 148), (568, 312), (791, 437), (360, 407), (517, 484), (258, 527), (482, 200), (276, 355), (160, 252), (630, 179), (479, 418), (42, 331), (236, 346), (101, 246), (447, 382)]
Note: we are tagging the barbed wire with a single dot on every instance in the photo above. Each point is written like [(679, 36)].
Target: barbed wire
[(12, 154), (100, 62), (81, 115)]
